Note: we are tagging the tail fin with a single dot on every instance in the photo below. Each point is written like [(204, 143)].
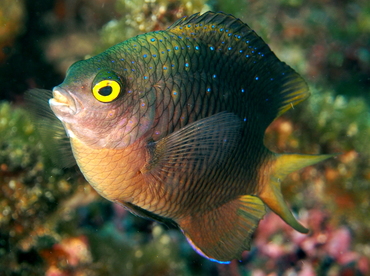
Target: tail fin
[(271, 193)]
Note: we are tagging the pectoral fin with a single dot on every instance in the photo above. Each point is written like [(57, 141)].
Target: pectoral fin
[(52, 134), (224, 233), (196, 147), (271, 193)]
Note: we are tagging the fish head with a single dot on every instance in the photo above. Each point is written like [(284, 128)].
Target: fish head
[(99, 107)]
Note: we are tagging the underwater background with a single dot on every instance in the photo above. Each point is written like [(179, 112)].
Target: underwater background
[(53, 223)]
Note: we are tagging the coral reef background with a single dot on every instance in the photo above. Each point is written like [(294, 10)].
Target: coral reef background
[(53, 223)]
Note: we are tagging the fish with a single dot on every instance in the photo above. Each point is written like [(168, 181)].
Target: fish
[(170, 124)]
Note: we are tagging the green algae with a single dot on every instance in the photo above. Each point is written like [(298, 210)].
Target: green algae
[(17, 138), (143, 16), (31, 188), (41, 204), (159, 256), (342, 125)]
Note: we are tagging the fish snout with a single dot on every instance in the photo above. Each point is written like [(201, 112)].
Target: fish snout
[(63, 102)]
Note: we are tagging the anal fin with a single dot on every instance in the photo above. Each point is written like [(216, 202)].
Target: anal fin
[(224, 233)]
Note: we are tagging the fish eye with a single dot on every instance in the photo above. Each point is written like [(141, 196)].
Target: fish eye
[(106, 90)]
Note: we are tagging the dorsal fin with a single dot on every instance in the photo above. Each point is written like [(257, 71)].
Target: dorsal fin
[(209, 17), (270, 87)]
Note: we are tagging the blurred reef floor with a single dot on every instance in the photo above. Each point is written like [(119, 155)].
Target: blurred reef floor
[(53, 223)]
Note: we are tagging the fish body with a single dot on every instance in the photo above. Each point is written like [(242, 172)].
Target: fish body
[(170, 124)]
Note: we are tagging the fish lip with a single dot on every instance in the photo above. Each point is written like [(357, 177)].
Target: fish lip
[(63, 102)]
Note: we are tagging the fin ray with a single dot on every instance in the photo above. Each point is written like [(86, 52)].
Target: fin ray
[(203, 143), (225, 232), (51, 130), (271, 193)]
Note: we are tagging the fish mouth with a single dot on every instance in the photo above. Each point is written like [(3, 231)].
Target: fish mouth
[(63, 103)]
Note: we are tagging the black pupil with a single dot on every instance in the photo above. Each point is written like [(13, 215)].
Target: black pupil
[(105, 91)]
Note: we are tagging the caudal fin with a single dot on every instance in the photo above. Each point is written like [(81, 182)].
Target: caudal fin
[(271, 192)]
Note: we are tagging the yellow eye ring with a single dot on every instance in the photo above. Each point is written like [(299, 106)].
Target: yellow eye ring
[(106, 91)]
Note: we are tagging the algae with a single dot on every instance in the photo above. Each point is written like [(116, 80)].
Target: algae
[(46, 212)]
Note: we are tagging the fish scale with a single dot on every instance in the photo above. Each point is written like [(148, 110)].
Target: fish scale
[(170, 124), (179, 48)]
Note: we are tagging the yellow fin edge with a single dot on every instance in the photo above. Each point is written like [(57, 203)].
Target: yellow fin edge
[(271, 193)]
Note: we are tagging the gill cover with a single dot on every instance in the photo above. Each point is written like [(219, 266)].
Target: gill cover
[(107, 86)]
